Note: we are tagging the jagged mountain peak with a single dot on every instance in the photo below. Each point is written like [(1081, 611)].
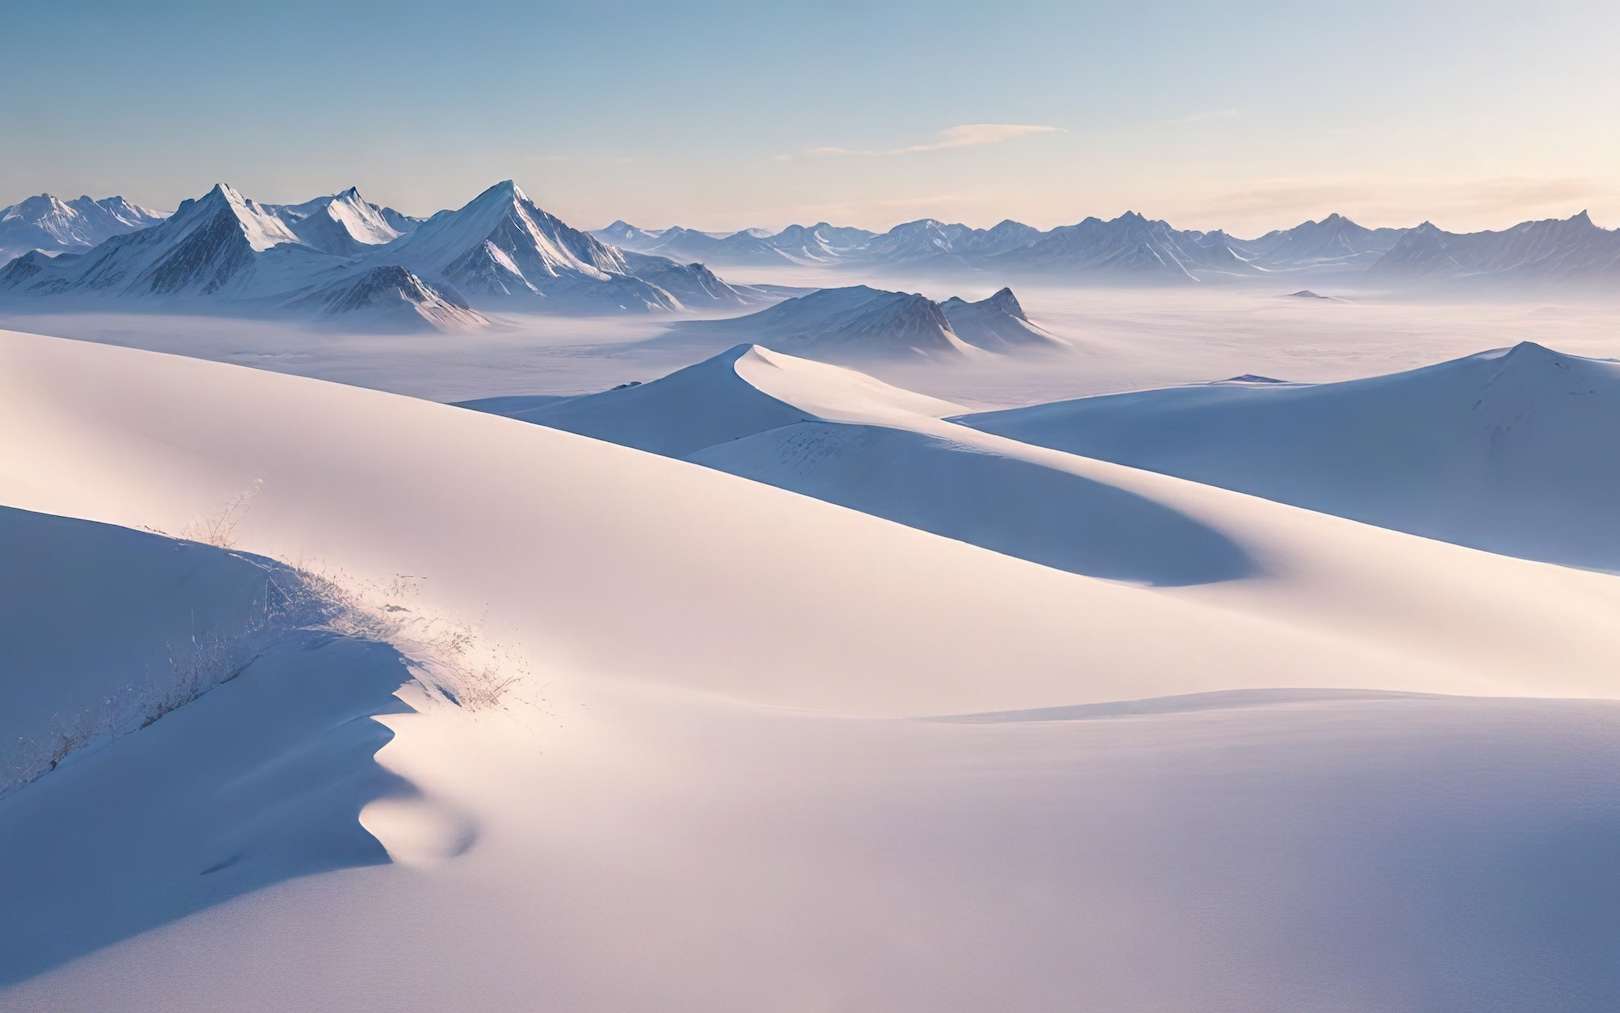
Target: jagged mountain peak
[(1006, 302), (505, 190), (40, 204)]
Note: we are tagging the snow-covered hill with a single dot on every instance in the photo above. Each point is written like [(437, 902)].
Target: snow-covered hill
[(549, 492), (997, 323), (701, 406), (700, 679), (1505, 450), (863, 324), (856, 323), (51, 225)]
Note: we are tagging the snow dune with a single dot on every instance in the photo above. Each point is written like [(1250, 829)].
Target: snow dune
[(550, 539), (175, 734), (697, 794), (127, 584), (1506, 450)]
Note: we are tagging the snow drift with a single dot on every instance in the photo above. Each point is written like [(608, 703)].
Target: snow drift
[(696, 793), (1504, 450)]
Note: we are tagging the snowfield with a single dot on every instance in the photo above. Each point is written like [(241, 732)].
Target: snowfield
[(766, 685)]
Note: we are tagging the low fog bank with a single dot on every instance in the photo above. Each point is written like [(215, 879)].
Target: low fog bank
[(1123, 339)]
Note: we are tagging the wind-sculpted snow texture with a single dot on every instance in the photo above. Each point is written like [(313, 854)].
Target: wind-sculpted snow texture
[(914, 716), (1504, 450)]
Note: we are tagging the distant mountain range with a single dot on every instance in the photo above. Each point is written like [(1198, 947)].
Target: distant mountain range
[(1135, 249), (346, 261), (53, 225), (1568, 250)]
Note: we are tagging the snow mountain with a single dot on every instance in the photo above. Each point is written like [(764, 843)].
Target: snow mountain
[(928, 243), (344, 256), (1133, 248), (1551, 251), (997, 323), (626, 236), (1335, 241), (842, 324), (51, 225), (738, 249), (821, 242), (344, 223), (692, 285), (859, 323), (390, 298), (221, 244), (501, 249), (1130, 248)]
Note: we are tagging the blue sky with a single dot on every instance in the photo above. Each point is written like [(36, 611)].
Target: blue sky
[(1237, 115)]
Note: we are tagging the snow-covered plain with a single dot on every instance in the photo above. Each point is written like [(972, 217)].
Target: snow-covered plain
[(1146, 744)]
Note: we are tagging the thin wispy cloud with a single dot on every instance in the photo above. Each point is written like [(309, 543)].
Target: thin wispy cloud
[(965, 135)]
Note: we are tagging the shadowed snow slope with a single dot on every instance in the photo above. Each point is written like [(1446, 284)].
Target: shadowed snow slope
[(170, 737), (696, 797), (110, 617), (556, 538), (1506, 450), (841, 436)]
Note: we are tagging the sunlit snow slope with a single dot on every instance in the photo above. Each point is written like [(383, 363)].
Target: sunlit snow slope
[(698, 794)]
